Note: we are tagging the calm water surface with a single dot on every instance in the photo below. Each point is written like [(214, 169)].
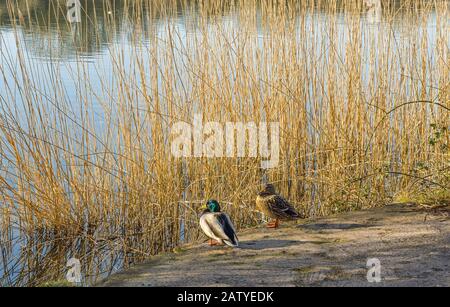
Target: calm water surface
[(89, 50)]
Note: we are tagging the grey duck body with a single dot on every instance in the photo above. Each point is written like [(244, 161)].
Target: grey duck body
[(218, 226)]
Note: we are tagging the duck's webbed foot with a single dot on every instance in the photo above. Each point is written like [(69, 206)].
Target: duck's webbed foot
[(273, 224), (213, 242)]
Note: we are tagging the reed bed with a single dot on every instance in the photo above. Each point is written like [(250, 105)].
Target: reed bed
[(87, 172)]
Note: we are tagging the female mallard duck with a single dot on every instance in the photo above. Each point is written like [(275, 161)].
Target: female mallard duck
[(217, 225), (275, 206)]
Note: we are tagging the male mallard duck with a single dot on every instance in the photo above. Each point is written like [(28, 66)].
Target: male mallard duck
[(217, 225), (275, 206)]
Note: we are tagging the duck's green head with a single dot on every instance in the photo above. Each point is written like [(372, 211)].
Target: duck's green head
[(213, 205)]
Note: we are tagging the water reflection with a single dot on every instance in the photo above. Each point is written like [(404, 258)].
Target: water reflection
[(46, 30)]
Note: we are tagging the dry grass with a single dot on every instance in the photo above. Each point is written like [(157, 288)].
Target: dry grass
[(87, 172)]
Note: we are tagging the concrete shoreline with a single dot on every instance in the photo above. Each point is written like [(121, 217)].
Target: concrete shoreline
[(411, 243)]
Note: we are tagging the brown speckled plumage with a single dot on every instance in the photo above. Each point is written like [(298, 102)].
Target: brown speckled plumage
[(275, 206)]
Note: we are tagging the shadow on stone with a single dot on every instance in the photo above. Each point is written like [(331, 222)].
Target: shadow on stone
[(323, 226), (263, 244)]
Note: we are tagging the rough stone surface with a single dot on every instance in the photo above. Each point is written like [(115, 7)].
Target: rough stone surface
[(411, 244)]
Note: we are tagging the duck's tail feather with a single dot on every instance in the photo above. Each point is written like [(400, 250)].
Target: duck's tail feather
[(233, 243), (228, 229)]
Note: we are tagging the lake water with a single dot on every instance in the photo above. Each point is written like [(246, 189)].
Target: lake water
[(83, 65), (89, 49)]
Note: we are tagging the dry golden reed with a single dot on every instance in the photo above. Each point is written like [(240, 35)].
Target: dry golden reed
[(363, 105)]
